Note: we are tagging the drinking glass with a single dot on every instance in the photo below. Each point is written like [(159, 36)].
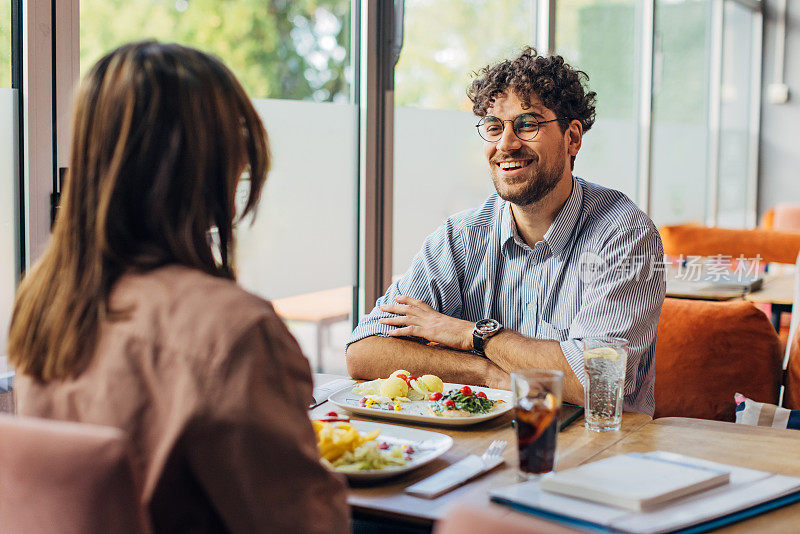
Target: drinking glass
[(537, 401), (604, 360)]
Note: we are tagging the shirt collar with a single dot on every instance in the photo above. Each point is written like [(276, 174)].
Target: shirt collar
[(557, 236)]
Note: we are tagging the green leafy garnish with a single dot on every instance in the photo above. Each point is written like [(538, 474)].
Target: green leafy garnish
[(468, 403)]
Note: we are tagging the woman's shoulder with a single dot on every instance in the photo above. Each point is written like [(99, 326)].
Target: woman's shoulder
[(187, 307)]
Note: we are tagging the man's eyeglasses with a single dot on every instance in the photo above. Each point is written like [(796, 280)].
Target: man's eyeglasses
[(525, 126)]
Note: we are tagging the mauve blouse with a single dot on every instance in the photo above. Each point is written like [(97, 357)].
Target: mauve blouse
[(212, 390)]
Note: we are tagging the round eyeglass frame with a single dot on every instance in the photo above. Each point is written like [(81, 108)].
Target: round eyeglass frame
[(512, 121)]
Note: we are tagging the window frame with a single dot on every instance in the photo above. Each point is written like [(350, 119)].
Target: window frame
[(50, 70)]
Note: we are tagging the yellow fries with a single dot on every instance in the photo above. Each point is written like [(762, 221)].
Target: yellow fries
[(335, 439)]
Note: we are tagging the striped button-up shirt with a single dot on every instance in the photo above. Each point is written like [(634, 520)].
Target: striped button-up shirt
[(598, 271)]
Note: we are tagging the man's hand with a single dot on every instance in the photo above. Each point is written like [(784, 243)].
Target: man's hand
[(417, 318)]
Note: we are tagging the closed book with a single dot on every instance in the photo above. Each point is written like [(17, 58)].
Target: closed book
[(634, 481), (749, 492)]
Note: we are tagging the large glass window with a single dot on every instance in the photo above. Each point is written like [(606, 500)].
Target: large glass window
[(443, 171), (5, 44), (9, 191), (601, 38), (297, 50), (734, 150), (294, 59), (680, 111)]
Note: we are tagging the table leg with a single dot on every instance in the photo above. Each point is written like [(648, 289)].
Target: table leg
[(320, 344), (776, 312)]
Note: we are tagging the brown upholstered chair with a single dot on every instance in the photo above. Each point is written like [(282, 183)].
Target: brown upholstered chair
[(696, 240), (791, 395), (791, 361), (767, 220), (484, 519), (66, 478), (708, 351), (784, 216)]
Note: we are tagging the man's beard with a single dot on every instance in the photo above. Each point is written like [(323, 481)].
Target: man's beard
[(540, 181)]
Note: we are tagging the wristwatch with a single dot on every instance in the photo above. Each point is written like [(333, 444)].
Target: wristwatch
[(484, 329)]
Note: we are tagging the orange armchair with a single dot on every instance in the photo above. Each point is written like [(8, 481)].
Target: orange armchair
[(791, 395), (696, 240), (782, 217), (791, 362), (708, 351)]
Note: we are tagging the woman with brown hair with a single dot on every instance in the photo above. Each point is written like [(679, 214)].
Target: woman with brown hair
[(132, 317)]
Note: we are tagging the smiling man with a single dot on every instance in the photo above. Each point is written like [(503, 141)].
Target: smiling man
[(547, 260)]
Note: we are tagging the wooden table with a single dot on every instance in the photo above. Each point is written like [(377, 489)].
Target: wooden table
[(388, 501), (767, 449), (760, 448), (322, 308), (777, 290), (7, 404)]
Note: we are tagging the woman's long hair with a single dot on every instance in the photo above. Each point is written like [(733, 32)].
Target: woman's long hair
[(161, 135)]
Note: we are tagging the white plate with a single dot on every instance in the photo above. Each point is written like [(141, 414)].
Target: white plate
[(427, 447), (418, 412)]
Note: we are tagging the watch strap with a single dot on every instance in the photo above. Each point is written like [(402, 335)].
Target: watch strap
[(478, 342), (479, 338)]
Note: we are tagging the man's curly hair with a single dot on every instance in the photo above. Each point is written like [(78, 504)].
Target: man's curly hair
[(558, 86)]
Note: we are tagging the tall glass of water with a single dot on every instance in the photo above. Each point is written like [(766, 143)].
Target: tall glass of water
[(604, 361)]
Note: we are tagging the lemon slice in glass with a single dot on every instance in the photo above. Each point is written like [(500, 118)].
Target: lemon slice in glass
[(602, 352), (550, 401)]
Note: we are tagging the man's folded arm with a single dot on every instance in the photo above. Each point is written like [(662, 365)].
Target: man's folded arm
[(511, 350), (377, 357), (620, 302), (625, 301), (433, 277)]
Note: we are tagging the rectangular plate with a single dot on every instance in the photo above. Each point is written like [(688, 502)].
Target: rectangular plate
[(417, 411), (427, 447)]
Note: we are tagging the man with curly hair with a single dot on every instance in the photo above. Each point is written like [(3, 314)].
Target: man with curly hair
[(548, 260)]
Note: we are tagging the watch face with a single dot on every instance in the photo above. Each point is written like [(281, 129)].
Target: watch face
[(487, 326)]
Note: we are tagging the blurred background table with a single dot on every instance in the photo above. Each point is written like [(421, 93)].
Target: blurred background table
[(777, 291)]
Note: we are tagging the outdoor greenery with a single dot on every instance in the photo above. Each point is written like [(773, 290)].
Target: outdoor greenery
[(447, 40), (5, 43), (680, 87), (292, 49), (300, 49), (600, 38)]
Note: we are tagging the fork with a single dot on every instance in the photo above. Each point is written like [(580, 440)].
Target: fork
[(494, 452), (460, 472)]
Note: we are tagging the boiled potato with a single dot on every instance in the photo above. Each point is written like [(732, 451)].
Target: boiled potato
[(394, 387), (432, 383)]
